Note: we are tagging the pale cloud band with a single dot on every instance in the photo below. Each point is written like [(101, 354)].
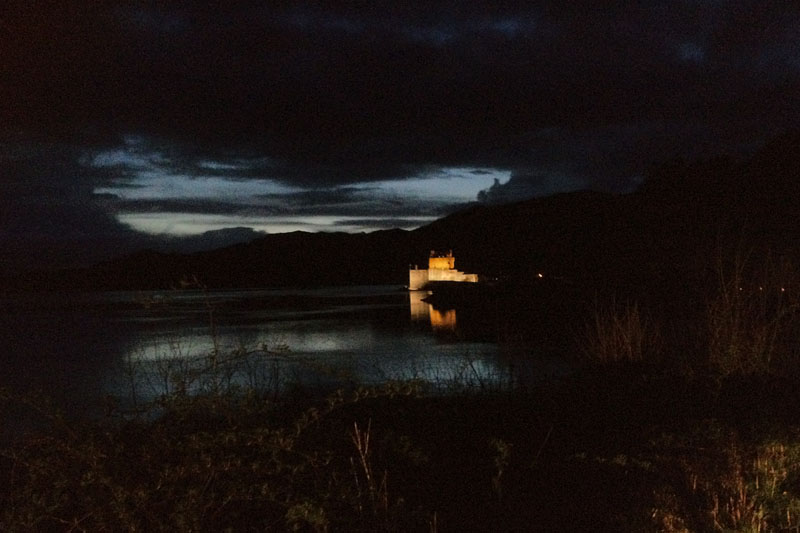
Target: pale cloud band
[(226, 193)]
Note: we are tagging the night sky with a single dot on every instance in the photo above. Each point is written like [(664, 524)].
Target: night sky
[(130, 124)]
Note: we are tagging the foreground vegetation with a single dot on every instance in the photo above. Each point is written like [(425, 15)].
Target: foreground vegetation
[(620, 449)]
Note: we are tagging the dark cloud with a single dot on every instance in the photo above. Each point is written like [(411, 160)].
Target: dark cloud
[(172, 206), (350, 94), (48, 213), (351, 201), (524, 186), (323, 96)]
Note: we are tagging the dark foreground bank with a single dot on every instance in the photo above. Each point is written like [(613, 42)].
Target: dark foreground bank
[(622, 448)]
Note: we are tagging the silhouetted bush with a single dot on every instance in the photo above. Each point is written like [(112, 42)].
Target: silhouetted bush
[(752, 317), (621, 334)]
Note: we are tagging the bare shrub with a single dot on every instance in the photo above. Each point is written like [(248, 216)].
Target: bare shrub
[(752, 317), (617, 334), (725, 483)]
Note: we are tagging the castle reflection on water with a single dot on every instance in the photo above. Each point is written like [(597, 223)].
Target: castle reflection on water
[(422, 311)]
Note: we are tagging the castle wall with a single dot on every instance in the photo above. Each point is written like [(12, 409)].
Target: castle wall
[(417, 279), (451, 275)]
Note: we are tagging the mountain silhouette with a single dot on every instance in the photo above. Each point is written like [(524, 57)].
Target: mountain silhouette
[(658, 239)]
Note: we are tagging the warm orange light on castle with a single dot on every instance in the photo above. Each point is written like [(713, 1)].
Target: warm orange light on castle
[(440, 268), (447, 262)]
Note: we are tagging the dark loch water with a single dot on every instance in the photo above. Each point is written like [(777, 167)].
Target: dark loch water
[(79, 348)]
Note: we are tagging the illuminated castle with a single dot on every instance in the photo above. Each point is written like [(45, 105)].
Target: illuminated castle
[(440, 268)]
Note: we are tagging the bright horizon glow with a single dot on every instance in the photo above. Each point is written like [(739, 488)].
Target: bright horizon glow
[(187, 224)]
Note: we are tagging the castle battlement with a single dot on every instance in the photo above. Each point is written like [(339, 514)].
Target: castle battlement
[(441, 267)]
